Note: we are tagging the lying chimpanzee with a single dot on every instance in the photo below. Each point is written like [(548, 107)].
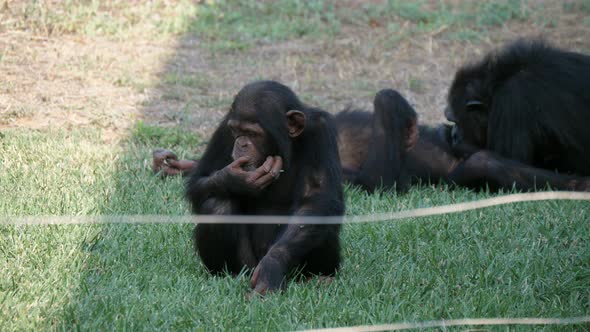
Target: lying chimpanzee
[(271, 155)]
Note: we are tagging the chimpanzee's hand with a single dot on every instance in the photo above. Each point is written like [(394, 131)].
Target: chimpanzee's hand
[(161, 163), (165, 162), (240, 181), (268, 276)]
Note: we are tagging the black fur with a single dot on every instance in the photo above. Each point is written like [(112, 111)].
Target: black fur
[(535, 106)]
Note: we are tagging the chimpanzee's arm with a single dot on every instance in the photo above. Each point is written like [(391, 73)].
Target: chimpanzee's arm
[(486, 167), (298, 241), (205, 183), (166, 163)]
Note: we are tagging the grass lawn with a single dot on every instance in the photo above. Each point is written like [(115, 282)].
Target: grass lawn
[(528, 259), (88, 90)]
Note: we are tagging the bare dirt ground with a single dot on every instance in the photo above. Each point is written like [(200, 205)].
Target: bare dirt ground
[(76, 81)]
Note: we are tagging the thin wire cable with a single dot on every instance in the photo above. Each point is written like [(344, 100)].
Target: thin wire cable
[(257, 219), (459, 322)]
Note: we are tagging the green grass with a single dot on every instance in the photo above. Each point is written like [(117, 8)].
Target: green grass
[(227, 24), (98, 18), (497, 13), (466, 20), (529, 259), (224, 25), (583, 5), (171, 138)]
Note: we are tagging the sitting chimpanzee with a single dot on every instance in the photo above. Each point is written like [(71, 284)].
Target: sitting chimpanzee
[(528, 102), (271, 155)]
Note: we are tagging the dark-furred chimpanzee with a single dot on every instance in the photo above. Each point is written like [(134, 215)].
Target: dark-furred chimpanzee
[(528, 102), (271, 155)]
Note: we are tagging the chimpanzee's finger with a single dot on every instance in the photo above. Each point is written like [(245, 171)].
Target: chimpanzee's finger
[(263, 169), (277, 167)]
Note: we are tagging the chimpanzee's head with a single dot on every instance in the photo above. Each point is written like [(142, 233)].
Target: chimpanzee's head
[(468, 107), (264, 119)]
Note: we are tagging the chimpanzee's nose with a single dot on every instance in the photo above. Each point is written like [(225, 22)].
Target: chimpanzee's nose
[(243, 142)]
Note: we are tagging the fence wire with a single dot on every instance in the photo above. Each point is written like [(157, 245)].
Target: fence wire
[(459, 322), (311, 220)]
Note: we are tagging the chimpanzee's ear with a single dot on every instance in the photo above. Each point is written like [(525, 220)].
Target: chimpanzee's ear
[(295, 123)]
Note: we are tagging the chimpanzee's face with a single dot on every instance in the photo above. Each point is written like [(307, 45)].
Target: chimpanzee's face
[(250, 140), (469, 113), (264, 121)]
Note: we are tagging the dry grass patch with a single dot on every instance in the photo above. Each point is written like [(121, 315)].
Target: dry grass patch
[(55, 76)]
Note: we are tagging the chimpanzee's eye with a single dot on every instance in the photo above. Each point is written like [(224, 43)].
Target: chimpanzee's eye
[(251, 133)]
